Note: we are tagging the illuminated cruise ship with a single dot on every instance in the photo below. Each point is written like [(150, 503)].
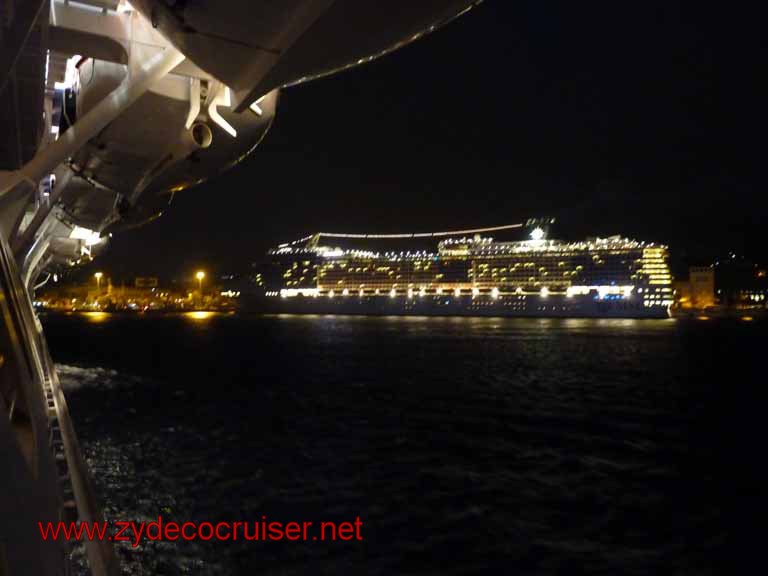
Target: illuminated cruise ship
[(471, 274)]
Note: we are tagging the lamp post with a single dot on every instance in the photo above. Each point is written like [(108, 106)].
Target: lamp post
[(200, 275), (98, 276)]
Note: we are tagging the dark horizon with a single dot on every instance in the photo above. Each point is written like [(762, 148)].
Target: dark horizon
[(643, 121)]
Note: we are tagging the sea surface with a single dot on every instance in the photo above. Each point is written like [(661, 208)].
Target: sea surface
[(465, 446)]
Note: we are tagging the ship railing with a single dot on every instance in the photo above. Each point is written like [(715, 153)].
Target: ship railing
[(102, 559)]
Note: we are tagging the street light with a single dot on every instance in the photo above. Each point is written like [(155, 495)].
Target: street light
[(98, 276), (200, 275)]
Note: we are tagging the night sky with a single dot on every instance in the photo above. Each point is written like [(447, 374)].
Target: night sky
[(644, 119)]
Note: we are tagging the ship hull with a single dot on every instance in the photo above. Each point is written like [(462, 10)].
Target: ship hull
[(511, 306)]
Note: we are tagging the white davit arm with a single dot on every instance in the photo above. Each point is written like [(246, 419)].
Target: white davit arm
[(93, 122)]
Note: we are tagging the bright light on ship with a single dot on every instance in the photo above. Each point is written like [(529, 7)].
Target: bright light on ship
[(537, 234), (70, 73), (495, 293), (331, 252), (292, 292), (544, 292), (88, 236)]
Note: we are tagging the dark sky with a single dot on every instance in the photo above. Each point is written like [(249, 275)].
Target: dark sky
[(645, 119)]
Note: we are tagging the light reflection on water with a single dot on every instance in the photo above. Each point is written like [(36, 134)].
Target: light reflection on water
[(99, 317), (200, 315), (506, 445), (96, 317)]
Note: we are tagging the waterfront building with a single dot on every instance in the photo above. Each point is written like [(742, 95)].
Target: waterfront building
[(699, 290), (740, 282)]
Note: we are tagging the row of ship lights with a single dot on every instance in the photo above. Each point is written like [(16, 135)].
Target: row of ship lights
[(536, 238), (504, 248), (603, 292)]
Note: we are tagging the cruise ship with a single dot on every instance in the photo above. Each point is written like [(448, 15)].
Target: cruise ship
[(471, 274)]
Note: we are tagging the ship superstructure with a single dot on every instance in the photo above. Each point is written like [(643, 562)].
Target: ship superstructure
[(475, 274)]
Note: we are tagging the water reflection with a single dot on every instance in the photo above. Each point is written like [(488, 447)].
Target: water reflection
[(518, 423), (96, 317), (199, 315)]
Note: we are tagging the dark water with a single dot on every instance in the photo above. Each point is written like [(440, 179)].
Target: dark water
[(466, 446)]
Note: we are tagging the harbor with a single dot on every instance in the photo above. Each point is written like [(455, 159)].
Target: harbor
[(428, 287)]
